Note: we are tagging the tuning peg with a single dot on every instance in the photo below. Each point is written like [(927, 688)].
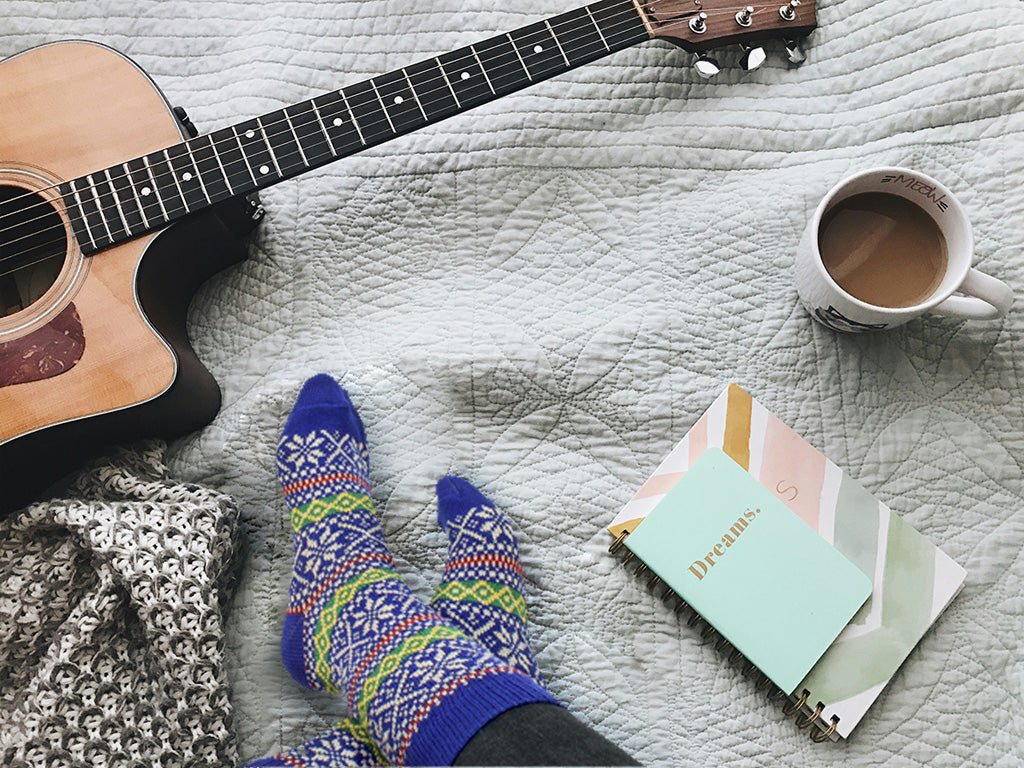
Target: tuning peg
[(795, 53), (788, 11), (753, 57), (706, 66)]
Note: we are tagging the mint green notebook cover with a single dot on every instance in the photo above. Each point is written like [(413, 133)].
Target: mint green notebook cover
[(755, 571)]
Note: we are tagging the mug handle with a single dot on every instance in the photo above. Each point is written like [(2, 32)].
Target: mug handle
[(987, 299)]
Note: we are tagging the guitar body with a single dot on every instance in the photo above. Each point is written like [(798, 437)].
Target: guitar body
[(102, 355)]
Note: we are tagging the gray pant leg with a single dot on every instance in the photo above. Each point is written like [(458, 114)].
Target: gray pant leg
[(540, 734)]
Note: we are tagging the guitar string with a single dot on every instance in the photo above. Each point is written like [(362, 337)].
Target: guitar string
[(242, 164), (116, 205), (609, 38), (630, 14)]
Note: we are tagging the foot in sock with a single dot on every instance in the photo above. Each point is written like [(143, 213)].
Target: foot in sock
[(481, 593), (482, 588), (347, 744), (421, 685)]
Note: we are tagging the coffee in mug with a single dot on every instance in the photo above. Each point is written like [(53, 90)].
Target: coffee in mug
[(888, 245), (883, 249)]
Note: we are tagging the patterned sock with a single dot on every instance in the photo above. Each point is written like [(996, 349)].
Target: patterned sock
[(482, 589), (347, 744), (421, 686)]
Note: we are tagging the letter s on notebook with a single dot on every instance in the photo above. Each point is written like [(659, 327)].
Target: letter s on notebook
[(730, 549)]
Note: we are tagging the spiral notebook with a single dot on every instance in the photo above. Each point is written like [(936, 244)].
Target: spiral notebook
[(913, 581), (725, 545)]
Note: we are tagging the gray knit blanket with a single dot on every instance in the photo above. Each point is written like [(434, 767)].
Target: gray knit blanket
[(111, 621)]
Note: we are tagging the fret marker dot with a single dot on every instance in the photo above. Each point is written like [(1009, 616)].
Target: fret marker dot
[(145, 191), (264, 169), (538, 49), (337, 121), (250, 134), (399, 99), (465, 75), (186, 176)]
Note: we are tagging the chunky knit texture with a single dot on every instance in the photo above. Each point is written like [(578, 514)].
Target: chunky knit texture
[(111, 625), (420, 685)]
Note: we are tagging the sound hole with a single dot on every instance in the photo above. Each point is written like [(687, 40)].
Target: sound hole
[(33, 245)]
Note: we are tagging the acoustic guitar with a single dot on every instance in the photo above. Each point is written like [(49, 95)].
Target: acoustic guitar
[(96, 167)]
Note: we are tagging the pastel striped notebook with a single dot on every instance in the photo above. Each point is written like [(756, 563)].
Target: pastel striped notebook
[(912, 580)]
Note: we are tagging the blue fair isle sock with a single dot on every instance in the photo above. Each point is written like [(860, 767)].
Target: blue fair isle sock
[(421, 686), (482, 588), (347, 744)]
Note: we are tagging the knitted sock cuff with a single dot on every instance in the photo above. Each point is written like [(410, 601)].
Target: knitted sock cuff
[(454, 714)]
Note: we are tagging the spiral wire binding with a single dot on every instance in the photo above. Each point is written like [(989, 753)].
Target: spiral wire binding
[(795, 706)]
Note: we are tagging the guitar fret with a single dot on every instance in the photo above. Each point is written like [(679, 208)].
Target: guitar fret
[(320, 119), (188, 179), (165, 186), (107, 203), (618, 29), (291, 127), (310, 138), (599, 32), (525, 68), (445, 76), (379, 99), (258, 154), (241, 148), (399, 101), (270, 147), (99, 205), (199, 175), (283, 143), (428, 77), (555, 38), (538, 49), (130, 194), (339, 127), (231, 160), (353, 116), (153, 189), (209, 168), (84, 215), (368, 112), (149, 203), (222, 169), (117, 203), (587, 41), (466, 78), (177, 184), (415, 95), (483, 69)]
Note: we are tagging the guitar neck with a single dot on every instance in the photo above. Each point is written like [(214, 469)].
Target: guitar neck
[(147, 193)]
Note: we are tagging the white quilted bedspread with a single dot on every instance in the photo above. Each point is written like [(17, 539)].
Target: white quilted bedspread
[(545, 293)]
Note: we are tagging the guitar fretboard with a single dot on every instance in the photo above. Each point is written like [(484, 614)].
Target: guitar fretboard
[(147, 193)]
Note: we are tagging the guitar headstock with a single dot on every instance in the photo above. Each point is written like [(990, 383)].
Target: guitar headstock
[(702, 25)]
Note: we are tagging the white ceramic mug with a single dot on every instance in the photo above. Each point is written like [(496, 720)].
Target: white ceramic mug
[(983, 296)]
